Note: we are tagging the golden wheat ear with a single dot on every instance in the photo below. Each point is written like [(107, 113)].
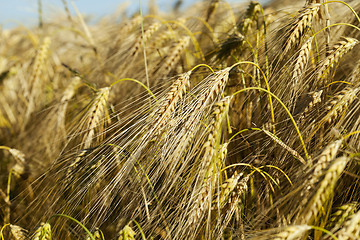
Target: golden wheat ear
[(97, 118), (167, 106), (35, 84), (17, 232), (174, 56), (207, 167), (301, 23), (309, 215), (290, 232), (339, 103), (334, 55), (134, 51), (301, 62)]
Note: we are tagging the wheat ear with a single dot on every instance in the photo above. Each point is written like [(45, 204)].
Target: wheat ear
[(286, 147), (340, 103), (233, 190), (167, 106), (215, 84), (67, 95), (93, 124), (326, 156), (174, 57), (301, 23), (341, 214), (43, 232), (326, 186), (207, 166), (301, 62), (336, 106), (130, 24), (96, 119), (96, 235), (164, 111), (307, 104), (17, 232), (291, 232), (334, 55), (126, 233), (145, 37), (350, 229), (322, 162), (228, 187), (34, 81)]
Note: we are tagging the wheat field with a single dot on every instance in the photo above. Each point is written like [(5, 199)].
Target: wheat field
[(219, 121)]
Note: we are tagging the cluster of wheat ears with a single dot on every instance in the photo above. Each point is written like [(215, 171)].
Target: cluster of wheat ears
[(216, 122)]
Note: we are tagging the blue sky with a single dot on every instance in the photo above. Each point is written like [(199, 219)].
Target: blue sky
[(14, 12)]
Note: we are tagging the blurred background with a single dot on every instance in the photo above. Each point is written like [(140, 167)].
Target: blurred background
[(25, 12)]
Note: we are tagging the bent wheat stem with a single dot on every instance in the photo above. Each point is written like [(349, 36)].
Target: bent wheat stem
[(336, 24), (352, 10), (136, 81), (74, 220), (202, 65)]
